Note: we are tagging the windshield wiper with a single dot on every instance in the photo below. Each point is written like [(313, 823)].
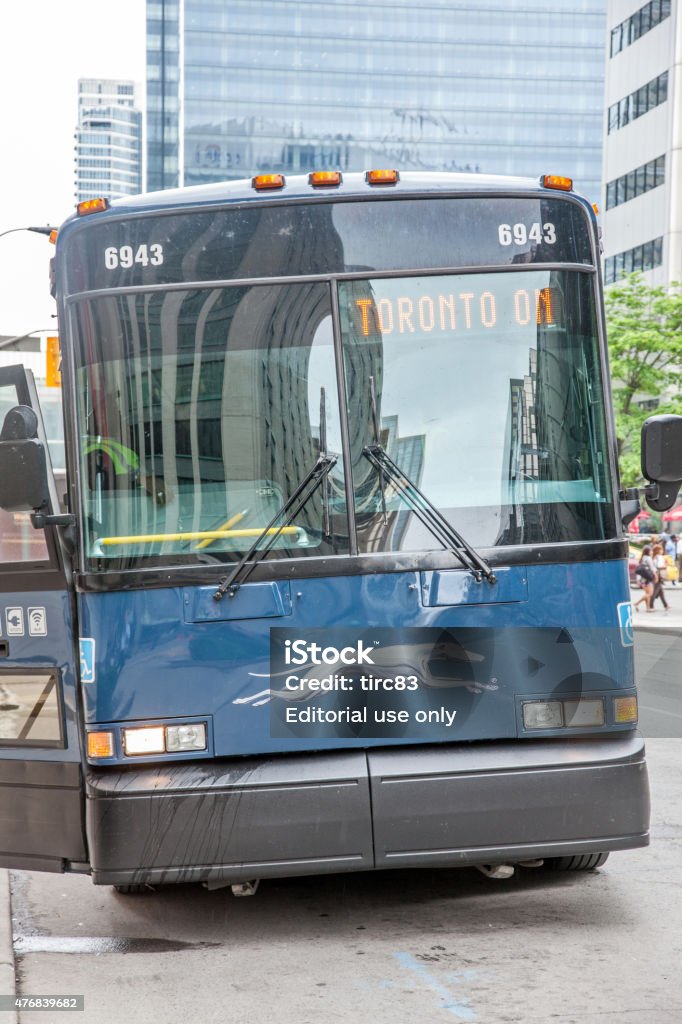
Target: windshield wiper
[(326, 527), (428, 514), (286, 513)]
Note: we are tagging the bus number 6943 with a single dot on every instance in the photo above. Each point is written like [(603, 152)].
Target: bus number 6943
[(519, 234), (127, 256)]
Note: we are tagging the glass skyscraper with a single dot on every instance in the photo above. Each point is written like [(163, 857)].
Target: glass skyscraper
[(237, 87)]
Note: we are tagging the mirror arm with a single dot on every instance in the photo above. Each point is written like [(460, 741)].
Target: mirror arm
[(661, 496), (66, 520), (629, 505), (39, 520)]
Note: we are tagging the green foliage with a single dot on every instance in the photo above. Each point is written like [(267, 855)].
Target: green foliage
[(644, 327)]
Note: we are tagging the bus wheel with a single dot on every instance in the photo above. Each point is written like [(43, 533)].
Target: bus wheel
[(582, 862), (133, 888)]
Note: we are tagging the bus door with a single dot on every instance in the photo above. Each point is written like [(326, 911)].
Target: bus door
[(41, 799)]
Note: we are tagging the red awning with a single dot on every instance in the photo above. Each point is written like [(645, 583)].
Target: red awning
[(674, 515)]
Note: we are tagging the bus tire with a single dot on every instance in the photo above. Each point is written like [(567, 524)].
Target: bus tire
[(581, 862), (132, 888)]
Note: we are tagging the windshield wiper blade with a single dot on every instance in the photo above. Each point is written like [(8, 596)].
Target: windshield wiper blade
[(287, 512), (326, 526), (434, 521)]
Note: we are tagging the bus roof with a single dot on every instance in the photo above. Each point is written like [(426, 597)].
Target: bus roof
[(353, 184)]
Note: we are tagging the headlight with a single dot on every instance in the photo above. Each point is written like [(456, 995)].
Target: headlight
[(147, 740), (581, 713), (186, 737), (575, 713), (543, 715)]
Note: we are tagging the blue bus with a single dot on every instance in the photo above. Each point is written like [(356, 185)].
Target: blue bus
[(341, 581)]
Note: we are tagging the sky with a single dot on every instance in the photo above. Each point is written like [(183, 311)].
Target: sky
[(45, 47)]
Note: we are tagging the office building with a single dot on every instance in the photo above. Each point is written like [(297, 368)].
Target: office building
[(108, 140), (236, 87), (642, 221)]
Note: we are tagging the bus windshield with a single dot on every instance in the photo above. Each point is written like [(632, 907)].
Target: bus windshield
[(199, 414)]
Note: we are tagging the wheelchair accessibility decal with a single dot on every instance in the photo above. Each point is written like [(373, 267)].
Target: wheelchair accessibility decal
[(627, 632), (87, 659)]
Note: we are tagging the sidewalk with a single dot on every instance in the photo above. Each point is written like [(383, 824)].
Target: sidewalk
[(7, 979), (660, 619)]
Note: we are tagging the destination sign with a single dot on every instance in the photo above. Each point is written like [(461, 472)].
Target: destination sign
[(461, 310)]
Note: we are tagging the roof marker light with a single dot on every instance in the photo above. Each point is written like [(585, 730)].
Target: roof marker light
[(557, 181), (382, 177), (264, 182), (324, 179), (92, 206)]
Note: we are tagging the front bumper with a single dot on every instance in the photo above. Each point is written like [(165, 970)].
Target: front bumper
[(308, 814)]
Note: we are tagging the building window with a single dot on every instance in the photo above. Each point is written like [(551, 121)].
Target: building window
[(629, 186), (638, 24), (641, 257), (638, 103)]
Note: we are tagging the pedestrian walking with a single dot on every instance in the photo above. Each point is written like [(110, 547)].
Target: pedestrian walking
[(646, 574), (661, 570)]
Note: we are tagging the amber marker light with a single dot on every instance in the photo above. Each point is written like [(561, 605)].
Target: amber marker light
[(625, 709), (92, 206), (265, 182), (324, 179), (595, 208), (100, 744), (53, 236), (382, 177), (557, 181)]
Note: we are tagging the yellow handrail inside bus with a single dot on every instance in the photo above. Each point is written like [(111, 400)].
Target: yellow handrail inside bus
[(150, 538), (223, 526)]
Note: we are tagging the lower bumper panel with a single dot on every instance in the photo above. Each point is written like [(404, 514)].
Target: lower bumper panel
[(398, 807), (493, 802)]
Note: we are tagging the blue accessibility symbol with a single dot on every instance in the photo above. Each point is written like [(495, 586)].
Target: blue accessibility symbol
[(627, 632), (87, 659)]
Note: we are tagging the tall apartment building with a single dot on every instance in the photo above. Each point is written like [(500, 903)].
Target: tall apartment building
[(108, 140), (236, 87), (642, 165)]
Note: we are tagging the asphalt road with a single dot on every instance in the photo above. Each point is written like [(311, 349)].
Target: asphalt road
[(391, 948)]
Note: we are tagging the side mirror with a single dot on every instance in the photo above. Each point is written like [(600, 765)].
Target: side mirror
[(23, 465), (662, 460)]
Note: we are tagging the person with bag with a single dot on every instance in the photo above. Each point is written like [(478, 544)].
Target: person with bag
[(646, 575), (661, 569)]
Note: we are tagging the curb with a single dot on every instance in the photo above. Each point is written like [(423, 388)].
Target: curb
[(7, 969)]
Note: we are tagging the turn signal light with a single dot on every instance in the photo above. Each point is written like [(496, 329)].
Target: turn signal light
[(382, 177), (92, 206), (264, 182), (557, 181), (324, 179), (53, 236), (100, 744), (625, 709)]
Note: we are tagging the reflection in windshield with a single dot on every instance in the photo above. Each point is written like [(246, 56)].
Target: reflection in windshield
[(489, 396), (200, 415)]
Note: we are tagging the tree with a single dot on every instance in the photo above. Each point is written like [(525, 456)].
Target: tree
[(644, 328)]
